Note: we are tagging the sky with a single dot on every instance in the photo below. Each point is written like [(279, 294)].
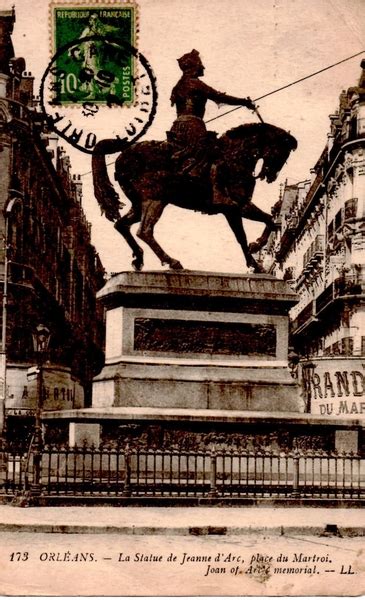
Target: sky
[(249, 47)]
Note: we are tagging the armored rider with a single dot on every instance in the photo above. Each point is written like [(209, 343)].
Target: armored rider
[(195, 146)]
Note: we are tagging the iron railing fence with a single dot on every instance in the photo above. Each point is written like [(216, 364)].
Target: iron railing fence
[(112, 472), (16, 470)]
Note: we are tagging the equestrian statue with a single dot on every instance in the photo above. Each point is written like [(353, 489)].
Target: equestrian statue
[(193, 169)]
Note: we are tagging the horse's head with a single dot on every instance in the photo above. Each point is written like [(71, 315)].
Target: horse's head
[(246, 144), (276, 149)]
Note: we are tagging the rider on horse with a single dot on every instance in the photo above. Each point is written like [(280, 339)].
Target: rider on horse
[(195, 147)]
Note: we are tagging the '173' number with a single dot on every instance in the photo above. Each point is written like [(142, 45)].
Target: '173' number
[(18, 556)]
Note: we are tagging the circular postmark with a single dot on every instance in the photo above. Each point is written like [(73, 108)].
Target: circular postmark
[(98, 87)]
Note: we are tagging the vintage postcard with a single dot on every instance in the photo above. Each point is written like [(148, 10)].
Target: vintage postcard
[(182, 350)]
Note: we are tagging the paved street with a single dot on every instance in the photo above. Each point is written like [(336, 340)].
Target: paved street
[(96, 564)]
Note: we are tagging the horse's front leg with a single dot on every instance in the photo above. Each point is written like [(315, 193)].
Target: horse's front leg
[(151, 213), (252, 212), (234, 219)]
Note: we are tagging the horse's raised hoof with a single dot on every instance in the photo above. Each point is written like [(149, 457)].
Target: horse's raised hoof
[(176, 265), (254, 247)]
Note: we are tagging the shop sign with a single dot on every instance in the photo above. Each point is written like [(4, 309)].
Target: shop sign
[(336, 387)]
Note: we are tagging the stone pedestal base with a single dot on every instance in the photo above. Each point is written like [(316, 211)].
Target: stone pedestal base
[(197, 341), (191, 428), (243, 386)]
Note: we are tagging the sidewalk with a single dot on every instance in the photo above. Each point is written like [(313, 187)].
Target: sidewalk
[(183, 521)]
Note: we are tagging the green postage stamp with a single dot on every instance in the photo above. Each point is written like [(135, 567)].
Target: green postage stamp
[(92, 45)]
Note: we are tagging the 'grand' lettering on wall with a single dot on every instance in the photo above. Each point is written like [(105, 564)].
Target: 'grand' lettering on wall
[(336, 387), (339, 384)]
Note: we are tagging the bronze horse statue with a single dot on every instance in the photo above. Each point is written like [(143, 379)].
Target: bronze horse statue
[(146, 174)]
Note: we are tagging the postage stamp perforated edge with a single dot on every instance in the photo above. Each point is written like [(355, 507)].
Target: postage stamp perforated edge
[(89, 5)]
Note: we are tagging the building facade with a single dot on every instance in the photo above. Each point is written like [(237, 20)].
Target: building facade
[(49, 270), (319, 245)]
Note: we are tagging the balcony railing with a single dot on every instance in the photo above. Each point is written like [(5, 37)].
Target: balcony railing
[(349, 285), (346, 285), (18, 111), (324, 298), (21, 274), (304, 316), (314, 252)]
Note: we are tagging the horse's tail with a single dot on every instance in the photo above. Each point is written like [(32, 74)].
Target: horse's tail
[(104, 191)]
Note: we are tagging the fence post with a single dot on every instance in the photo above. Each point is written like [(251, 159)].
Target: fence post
[(295, 492), (213, 491), (3, 464), (127, 490), (36, 485)]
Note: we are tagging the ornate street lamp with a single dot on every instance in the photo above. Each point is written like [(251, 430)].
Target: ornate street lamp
[(41, 337), (293, 362)]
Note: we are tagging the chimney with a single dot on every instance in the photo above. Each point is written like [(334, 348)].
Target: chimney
[(78, 187), (26, 89)]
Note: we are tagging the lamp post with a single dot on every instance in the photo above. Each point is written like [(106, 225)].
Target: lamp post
[(41, 337)]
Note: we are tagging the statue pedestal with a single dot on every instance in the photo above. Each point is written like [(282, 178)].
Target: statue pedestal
[(199, 358), (193, 340)]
